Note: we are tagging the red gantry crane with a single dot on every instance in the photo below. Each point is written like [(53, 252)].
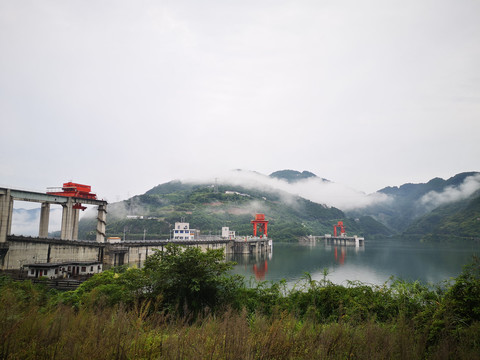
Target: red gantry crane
[(71, 189), (261, 222), (342, 229)]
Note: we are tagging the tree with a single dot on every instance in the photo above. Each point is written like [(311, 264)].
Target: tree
[(185, 279)]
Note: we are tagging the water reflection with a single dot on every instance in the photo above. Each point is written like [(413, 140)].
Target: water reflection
[(248, 265), (260, 270), (340, 259), (373, 263)]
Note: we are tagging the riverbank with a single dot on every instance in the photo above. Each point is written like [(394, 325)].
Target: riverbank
[(199, 311)]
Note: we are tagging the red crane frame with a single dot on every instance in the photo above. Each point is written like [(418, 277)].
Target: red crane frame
[(261, 223), (342, 229)]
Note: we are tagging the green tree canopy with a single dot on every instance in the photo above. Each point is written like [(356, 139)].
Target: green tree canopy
[(186, 278)]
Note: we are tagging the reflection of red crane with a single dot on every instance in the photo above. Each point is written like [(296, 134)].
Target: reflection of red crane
[(71, 189), (342, 229), (341, 260), (260, 270), (261, 222)]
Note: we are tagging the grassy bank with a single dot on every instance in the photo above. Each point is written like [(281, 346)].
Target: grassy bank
[(198, 312)]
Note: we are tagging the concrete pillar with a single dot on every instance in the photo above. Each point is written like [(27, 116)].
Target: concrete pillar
[(44, 219), (75, 218), (101, 223), (67, 223), (6, 213)]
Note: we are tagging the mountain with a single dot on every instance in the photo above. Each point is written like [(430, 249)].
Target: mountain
[(295, 207), (456, 220), (209, 207), (292, 176), (410, 202)]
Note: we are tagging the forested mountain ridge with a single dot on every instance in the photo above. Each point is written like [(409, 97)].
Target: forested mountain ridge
[(293, 175), (208, 207), (456, 220), (410, 202), (426, 210)]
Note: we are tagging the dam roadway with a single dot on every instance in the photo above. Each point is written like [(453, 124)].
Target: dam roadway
[(19, 251), (67, 256)]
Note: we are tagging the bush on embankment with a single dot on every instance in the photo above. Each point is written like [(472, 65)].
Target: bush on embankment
[(137, 313)]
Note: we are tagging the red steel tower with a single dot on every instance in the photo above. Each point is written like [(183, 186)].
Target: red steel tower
[(262, 223), (342, 229)]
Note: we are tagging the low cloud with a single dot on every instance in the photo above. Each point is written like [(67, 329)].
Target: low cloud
[(313, 189), (450, 194)]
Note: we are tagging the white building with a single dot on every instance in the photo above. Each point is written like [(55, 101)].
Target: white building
[(182, 231), (226, 233), (63, 270)]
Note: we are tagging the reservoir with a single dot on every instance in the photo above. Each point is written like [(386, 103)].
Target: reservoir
[(373, 263)]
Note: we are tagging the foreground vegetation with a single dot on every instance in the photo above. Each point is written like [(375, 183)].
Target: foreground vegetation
[(184, 305)]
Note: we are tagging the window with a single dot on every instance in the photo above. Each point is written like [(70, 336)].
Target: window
[(84, 268), (69, 268), (99, 267), (32, 271), (56, 271), (91, 268)]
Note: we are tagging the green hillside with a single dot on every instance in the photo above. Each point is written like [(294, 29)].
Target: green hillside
[(293, 175), (405, 206), (208, 208), (454, 221)]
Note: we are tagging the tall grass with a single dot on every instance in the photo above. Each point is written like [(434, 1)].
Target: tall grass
[(116, 333), (29, 330), (110, 318)]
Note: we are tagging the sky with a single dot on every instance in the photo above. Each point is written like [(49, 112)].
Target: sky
[(126, 95)]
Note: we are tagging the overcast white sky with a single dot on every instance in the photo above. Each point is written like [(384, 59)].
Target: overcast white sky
[(124, 95)]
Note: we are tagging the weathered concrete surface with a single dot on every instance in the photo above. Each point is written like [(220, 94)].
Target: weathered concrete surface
[(19, 250), (70, 215), (24, 250)]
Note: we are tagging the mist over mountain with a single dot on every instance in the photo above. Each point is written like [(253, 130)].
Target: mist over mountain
[(296, 203), (410, 202), (456, 219), (232, 200), (292, 176)]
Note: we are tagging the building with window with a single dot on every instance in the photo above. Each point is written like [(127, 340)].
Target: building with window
[(63, 270), (227, 233), (182, 231)]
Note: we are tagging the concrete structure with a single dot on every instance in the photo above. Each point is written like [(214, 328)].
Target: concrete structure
[(20, 251), (227, 233), (70, 214), (182, 231), (136, 252), (339, 240), (63, 270), (46, 255)]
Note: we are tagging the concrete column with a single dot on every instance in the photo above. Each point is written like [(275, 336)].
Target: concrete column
[(10, 216), (75, 218), (101, 223), (6, 212), (67, 223), (44, 219)]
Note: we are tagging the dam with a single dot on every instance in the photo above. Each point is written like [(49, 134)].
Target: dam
[(70, 257)]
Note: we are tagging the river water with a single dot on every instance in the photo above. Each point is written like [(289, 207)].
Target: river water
[(372, 263)]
